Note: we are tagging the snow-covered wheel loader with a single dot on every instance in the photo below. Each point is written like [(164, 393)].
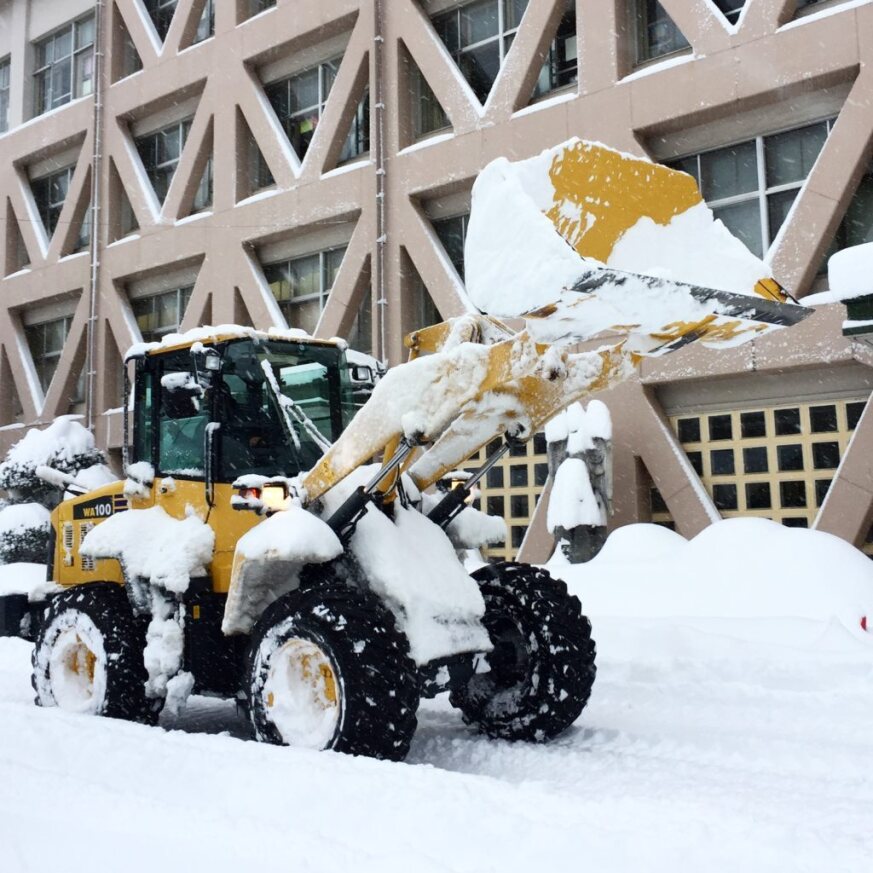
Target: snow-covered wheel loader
[(256, 551)]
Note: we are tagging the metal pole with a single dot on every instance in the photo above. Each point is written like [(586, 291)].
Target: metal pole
[(381, 223)]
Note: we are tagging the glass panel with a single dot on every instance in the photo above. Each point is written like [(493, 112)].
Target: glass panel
[(541, 474), (63, 44), (304, 315), (495, 506), (446, 27), (513, 10), (303, 91), (494, 477), (753, 424), (696, 461), (689, 430), (724, 496), (84, 32), (790, 156), (452, 234), (792, 495), (480, 67), (658, 34), (427, 113), (304, 276), (518, 532), (743, 220), (758, 495), (778, 207), (721, 462), (518, 506), (853, 413), (787, 421), (823, 419), (731, 9), (478, 21), (790, 457), (720, 427), (857, 226), (62, 83), (729, 171), (518, 475), (798, 521), (332, 262), (84, 74), (656, 500), (755, 460), (821, 490), (825, 456)]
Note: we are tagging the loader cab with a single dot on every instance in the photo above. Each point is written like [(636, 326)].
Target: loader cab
[(243, 406)]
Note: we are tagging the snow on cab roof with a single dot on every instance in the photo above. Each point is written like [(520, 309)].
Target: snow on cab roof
[(223, 333)]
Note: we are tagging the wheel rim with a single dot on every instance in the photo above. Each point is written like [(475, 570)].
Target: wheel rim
[(301, 696), (76, 668)]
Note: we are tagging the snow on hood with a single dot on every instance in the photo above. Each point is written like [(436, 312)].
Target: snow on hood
[(516, 260), (737, 568)]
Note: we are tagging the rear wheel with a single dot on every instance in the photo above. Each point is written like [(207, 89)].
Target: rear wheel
[(538, 678), (88, 655), (328, 669)]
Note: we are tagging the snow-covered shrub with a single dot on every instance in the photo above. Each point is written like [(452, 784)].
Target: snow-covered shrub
[(24, 533), (64, 445)]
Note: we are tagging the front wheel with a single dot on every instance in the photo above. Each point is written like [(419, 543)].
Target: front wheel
[(538, 678), (88, 655), (328, 669)]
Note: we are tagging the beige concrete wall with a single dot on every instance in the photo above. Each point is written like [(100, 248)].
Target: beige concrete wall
[(767, 72)]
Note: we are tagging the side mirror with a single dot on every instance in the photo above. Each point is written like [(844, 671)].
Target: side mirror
[(360, 373)]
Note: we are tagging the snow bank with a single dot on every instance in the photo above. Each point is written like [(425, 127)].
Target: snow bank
[(19, 517), (516, 260), (21, 578), (185, 550), (737, 568)]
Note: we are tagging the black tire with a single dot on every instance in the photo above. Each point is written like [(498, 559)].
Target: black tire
[(99, 616), (375, 684), (542, 668)]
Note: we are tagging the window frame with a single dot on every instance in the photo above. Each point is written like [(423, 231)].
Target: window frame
[(183, 297), (287, 305), (763, 191), (53, 357), (43, 73), (50, 211), (641, 30)]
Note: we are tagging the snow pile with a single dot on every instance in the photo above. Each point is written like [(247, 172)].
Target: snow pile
[(23, 516), (24, 532), (268, 561), (153, 546), (850, 271), (22, 578), (474, 529), (164, 652), (572, 502), (94, 477), (737, 568), (516, 260), (140, 478)]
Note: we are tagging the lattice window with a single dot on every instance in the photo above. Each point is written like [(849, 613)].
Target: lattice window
[(656, 33), (46, 342), (452, 233), (4, 95), (776, 462), (50, 193), (299, 102), (160, 314), (64, 65), (512, 489), (731, 9), (301, 286), (752, 185), (161, 151), (161, 12)]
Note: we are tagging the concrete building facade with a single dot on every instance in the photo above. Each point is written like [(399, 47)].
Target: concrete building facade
[(171, 163)]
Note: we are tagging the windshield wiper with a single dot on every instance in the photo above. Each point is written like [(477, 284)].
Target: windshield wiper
[(292, 410)]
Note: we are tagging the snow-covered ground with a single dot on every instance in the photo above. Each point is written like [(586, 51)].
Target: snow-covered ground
[(717, 744)]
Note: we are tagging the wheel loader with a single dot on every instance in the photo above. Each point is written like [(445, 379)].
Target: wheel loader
[(278, 543)]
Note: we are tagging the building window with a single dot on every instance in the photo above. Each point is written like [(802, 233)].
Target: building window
[(752, 185), (656, 33), (478, 36), (160, 152), (206, 24), (46, 341), (361, 333), (302, 285), (64, 65), (161, 12), (50, 194), (561, 67), (857, 224), (4, 95), (427, 114), (452, 233), (257, 6), (160, 314), (788, 455), (299, 103), (731, 9)]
